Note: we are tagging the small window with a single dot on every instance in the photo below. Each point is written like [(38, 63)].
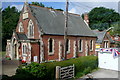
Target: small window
[(30, 29), (24, 49), (50, 45), (80, 45), (105, 44), (21, 27), (91, 45), (68, 45)]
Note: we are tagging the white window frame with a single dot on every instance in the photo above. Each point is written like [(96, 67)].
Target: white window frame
[(24, 53), (30, 24), (81, 45), (106, 44), (91, 46), (51, 53), (21, 29)]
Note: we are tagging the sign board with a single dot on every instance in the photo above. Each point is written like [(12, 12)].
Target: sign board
[(35, 59), (97, 46)]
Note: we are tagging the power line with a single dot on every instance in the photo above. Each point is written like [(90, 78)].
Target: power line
[(80, 5)]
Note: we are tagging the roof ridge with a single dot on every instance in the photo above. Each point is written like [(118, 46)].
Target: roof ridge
[(53, 9)]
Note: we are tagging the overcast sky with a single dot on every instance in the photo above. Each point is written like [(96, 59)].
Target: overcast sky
[(78, 7)]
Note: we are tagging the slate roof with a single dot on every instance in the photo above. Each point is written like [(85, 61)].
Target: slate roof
[(52, 22), (100, 35), (21, 36)]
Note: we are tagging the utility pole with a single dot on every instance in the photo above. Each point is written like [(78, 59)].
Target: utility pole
[(65, 30)]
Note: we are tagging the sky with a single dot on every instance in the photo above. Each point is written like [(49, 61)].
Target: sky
[(78, 7)]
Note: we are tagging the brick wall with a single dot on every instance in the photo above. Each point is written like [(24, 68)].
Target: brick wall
[(35, 51), (72, 39), (25, 24)]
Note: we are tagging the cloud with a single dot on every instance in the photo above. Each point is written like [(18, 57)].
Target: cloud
[(73, 10), (19, 7), (82, 7)]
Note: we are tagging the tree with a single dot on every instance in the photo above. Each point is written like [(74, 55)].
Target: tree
[(59, 9), (102, 18), (50, 7), (42, 5), (115, 29), (38, 4), (10, 17)]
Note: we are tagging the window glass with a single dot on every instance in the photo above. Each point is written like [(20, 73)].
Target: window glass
[(50, 45)]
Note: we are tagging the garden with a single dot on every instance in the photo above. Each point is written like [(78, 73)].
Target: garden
[(46, 71)]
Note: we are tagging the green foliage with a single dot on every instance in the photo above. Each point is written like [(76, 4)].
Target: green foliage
[(50, 7), (5, 77), (83, 65), (46, 71), (117, 43), (102, 18), (33, 70), (10, 17), (42, 5), (87, 70), (116, 29), (59, 9), (38, 4)]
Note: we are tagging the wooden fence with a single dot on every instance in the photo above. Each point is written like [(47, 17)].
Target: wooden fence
[(65, 72)]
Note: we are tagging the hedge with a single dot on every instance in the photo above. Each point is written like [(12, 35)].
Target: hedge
[(83, 65)]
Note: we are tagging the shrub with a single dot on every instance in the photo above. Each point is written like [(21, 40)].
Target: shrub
[(33, 70), (5, 77), (87, 70), (46, 71), (83, 65)]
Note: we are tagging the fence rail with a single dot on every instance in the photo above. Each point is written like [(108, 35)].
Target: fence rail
[(65, 72)]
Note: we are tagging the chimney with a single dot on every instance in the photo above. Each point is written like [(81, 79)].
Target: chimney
[(86, 18)]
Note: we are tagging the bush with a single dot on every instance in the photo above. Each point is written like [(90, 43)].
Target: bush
[(33, 70), (87, 70), (5, 77), (83, 65), (46, 71)]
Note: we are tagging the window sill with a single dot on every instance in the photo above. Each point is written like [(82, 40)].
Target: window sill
[(51, 53), (91, 50), (24, 55), (30, 37), (80, 51), (68, 52)]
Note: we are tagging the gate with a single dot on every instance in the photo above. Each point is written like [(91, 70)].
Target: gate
[(65, 72)]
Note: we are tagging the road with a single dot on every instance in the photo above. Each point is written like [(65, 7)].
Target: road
[(104, 74)]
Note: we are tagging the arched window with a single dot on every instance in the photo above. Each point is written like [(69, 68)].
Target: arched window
[(50, 46), (91, 45), (24, 49), (80, 45), (68, 45), (30, 29), (21, 29)]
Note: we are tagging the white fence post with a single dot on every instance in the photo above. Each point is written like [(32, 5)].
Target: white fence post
[(57, 72), (73, 70)]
